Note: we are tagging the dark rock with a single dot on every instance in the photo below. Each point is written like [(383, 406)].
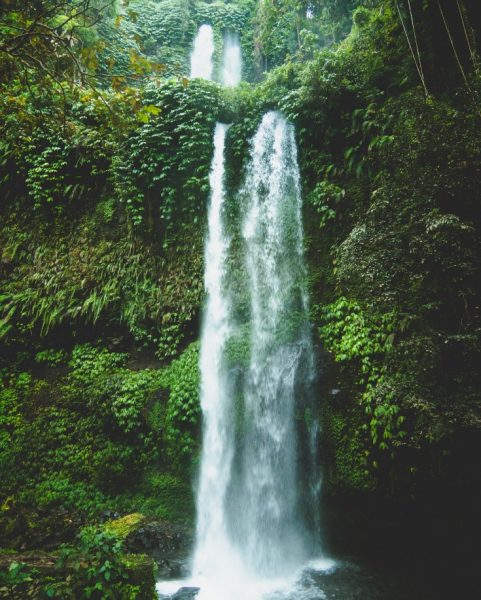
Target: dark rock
[(165, 538), (349, 581), (168, 544), (22, 529), (109, 515), (186, 593), (171, 568)]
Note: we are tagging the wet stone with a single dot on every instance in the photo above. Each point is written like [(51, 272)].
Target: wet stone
[(186, 593)]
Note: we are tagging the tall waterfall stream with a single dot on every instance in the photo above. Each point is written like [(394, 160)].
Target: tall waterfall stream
[(256, 507)]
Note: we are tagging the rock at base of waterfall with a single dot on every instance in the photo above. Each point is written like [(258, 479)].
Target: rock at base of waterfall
[(167, 543), (186, 593)]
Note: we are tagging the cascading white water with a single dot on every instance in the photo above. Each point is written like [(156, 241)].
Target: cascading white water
[(212, 538), (232, 60), (217, 447), (254, 502), (252, 499), (281, 367), (201, 58), (201, 63)]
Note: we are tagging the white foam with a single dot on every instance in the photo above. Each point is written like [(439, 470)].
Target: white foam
[(238, 584), (171, 586), (322, 564)]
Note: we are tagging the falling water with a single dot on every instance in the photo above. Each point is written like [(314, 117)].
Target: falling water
[(217, 447), (280, 374), (253, 501), (257, 485), (201, 64), (232, 60)]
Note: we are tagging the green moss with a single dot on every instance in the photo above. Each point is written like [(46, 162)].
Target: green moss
[(237, 349), (102, 231), (182, 412), (38, 574), (122, 527), (166, 496)]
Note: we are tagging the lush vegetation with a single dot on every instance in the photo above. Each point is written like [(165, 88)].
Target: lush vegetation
[(104, 161)]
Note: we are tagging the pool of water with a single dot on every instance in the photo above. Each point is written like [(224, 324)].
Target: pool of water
[(319, 580)]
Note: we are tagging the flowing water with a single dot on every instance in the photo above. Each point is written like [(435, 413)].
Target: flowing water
[(258, 482), (272, 498), (201, 58), (232, 60), (217, 448), (258, 479), (252, 526)]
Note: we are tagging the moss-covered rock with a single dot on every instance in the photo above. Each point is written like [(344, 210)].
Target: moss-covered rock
[(126, 525), (168, 544)]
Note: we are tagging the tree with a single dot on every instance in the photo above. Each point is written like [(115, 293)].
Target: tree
[(53, 40)]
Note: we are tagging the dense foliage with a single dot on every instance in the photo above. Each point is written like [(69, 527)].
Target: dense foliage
[(104, 161)]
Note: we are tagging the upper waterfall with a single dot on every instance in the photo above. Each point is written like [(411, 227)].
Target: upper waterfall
[(232, 60), (201, 62)]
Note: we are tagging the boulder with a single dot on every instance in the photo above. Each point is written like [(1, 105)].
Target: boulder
[(167, 543), (122, 527), (186, 593)]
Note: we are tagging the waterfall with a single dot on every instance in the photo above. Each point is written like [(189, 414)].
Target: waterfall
[(253, 501), (256, 497), (217, 447), (232, 60), (278, 382), (201, 64), (201, 58)]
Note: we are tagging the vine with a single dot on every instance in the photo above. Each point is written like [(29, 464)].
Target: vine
[(353, 335)]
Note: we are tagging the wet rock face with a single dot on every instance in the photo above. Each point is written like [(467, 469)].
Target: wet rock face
[(186, 593), (167, 543)]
